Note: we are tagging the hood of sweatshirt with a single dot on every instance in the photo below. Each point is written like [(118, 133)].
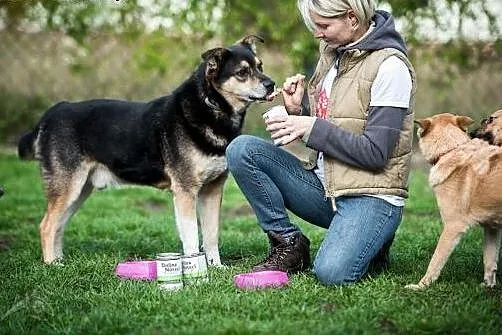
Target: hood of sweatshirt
[(383, 35)]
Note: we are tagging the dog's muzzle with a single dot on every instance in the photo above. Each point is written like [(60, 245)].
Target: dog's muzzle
[(269, 86)]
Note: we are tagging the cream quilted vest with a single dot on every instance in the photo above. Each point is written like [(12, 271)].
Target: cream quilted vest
[(350, 98)]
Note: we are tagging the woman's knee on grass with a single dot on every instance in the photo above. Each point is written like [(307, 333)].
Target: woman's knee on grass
[(337, 272)]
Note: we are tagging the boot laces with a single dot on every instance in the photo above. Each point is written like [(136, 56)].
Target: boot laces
[(278, 253)]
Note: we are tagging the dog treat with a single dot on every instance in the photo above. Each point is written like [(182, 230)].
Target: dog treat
[(274, 94), (194, 268), (261, 279), (169, 271)]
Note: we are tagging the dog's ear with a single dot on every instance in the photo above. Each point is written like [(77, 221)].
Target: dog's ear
[(213, 59), (463, 122), (424, 124), (250, 42)]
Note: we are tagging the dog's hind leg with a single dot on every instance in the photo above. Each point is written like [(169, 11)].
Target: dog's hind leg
[(209, 213), (70, 211), (186, 219), (491, 250), (450, 236), (64, 198)]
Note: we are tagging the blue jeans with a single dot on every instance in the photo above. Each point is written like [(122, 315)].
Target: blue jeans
[(274, 180)]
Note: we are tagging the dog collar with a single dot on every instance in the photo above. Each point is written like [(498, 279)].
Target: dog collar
[(435, 160)]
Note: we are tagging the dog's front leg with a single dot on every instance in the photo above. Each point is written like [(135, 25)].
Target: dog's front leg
[(186, 220), (452, 232), (491, 250), (209, 209)]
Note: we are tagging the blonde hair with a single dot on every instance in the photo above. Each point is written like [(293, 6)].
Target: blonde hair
[(363, 9)]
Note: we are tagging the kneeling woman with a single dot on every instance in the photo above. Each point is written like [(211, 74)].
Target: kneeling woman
[(360, 130)]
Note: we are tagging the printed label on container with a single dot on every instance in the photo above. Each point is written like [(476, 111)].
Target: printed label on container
[(169, 268), (194, 268)]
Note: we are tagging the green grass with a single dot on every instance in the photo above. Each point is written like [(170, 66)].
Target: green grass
[(84, 296)]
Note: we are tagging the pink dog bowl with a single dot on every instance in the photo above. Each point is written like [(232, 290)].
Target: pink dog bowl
[(261, 279), (138, 270)]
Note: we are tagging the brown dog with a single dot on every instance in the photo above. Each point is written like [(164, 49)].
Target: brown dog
[(491, 129), (465, 175)]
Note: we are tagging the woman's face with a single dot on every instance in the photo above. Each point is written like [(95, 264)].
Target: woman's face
[(336, 31)]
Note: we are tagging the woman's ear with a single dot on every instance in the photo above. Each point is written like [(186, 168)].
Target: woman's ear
[(353, 20)]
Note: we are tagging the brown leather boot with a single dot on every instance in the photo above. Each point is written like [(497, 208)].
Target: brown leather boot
[(291, 254)]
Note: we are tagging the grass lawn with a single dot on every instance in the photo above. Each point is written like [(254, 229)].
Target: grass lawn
[(85, 297)]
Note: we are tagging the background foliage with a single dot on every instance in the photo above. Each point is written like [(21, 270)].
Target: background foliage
[(278, 21), (137, 49)]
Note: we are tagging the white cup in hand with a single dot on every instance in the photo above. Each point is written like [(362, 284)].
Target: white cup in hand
[(276, 111)]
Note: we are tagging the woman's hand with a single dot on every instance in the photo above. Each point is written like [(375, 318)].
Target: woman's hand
[(292, 93), (288, 128)]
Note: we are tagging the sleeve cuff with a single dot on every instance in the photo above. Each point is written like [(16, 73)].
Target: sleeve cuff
[(306, 135)]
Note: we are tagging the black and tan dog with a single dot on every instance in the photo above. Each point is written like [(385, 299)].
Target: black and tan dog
[(175, 142), (490, 129)]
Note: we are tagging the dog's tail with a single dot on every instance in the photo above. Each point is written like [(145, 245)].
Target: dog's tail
[(25, 147)]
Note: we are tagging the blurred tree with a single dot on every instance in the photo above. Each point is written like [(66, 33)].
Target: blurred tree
[(280, 23), (415, 11), (277, 21)]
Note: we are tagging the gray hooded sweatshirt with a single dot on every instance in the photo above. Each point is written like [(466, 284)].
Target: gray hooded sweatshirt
[(372, 149)]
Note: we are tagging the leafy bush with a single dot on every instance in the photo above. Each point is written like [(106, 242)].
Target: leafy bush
[(37, 70), (18, 113)]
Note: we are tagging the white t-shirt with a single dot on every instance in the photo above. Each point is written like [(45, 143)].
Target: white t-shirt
[(391, 87)]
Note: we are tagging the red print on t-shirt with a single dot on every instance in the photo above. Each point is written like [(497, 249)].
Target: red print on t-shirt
[(322, 105)]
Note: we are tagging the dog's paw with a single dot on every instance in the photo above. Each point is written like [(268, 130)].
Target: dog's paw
[(58, 263), (414, 287), (487, 284), (216, 265), (214, 260), (490, 279)]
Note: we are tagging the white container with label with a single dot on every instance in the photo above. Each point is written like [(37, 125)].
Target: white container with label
[(169, 271), (194, 268)]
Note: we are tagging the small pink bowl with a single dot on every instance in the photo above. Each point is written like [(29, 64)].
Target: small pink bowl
[(261, 279), (138, 270)]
